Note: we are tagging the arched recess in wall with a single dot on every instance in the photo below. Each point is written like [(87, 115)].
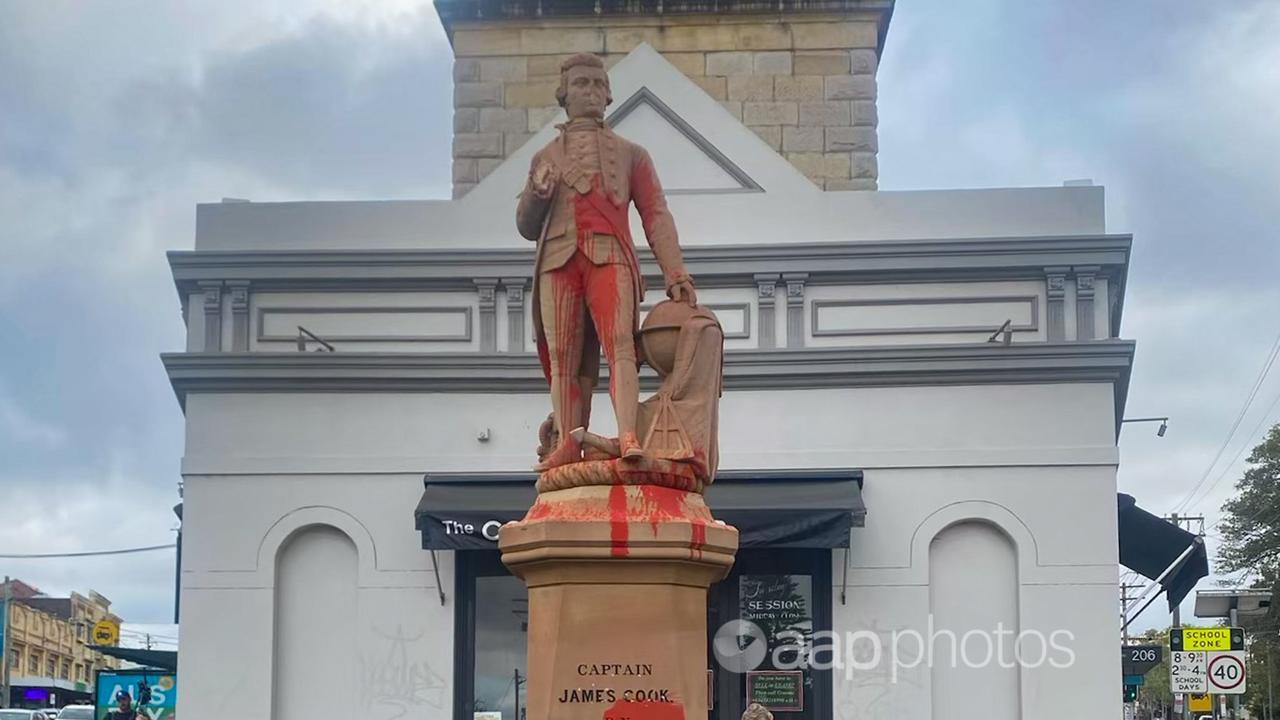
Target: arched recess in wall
[(316, 605), (283, 530), (974, 606)]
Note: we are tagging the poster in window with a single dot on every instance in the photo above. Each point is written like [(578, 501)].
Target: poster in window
[(782, 607)]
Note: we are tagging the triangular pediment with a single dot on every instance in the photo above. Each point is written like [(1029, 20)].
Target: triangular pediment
[(698, 146), (690, 162)]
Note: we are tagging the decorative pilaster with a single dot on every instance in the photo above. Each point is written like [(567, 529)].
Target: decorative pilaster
[(1115, 290), (487, 289), (795, 308), (1055, 308), (212, 290), (1084, 302), (766, 285), (239, 315), (515, 313)]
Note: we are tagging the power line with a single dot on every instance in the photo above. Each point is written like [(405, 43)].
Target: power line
[(1235, 425), (1252, 437), (94, 553)]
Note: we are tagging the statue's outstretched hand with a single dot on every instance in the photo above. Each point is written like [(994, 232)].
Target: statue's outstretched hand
[(543, 180), (683, 291)]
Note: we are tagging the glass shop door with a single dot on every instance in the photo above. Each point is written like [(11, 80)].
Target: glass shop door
[(781, 598)]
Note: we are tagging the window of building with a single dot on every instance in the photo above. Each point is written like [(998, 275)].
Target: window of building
[(495, 615), (66, 671), (15, 655), (80, 672), (33, 664), (787, 594), (51, 668)]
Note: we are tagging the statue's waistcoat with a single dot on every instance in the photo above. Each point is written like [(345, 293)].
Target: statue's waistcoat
[(592, 198)]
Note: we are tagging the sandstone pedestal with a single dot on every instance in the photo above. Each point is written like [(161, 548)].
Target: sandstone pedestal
[(618, 578)]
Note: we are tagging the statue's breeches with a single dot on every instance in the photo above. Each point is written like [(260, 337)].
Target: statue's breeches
[(570, 296)]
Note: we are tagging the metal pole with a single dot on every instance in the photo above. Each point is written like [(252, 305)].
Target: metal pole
[(1124, 607), (4, 646), (1177, 623), (1271, 674), (1235, 699)]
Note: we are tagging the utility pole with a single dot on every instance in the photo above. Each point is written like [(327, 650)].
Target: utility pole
[(516, 682), (1180, 521), (1130, 707), (4, 644), (1124, 605)]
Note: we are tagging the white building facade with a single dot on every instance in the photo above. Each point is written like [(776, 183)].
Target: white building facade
[(857, 354)]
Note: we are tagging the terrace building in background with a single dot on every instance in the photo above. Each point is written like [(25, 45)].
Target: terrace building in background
[(51, 663)]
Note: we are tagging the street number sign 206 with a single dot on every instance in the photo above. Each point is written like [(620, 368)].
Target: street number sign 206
[(1188, 672)]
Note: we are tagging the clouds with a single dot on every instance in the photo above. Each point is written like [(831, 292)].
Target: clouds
[(337, 108), (1173, 107), (116, 118)]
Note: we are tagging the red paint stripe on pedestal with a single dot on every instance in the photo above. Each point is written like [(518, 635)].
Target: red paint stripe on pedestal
[(618, 531), (644, 710)]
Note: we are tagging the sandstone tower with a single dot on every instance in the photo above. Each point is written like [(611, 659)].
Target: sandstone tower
[(800, 73)]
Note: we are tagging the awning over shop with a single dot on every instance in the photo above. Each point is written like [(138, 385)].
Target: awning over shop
[(778, 509), (1151, 546), (157, 659)]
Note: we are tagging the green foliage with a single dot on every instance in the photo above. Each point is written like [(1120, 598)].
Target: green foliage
[(1155, 693), (1250, 528), (1250, 544)]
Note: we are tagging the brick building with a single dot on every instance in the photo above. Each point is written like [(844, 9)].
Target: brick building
[(802, 75)]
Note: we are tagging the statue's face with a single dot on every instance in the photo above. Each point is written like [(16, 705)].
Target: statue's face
[(587, 92)]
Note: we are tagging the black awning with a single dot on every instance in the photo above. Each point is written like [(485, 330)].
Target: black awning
[(1149, 545), (156, 659), (777, 509)]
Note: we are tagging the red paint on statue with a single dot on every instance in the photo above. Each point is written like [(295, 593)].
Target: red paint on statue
[(699, 539), (618, 531), (539, 511), (644, 710), (662, 504), (587, 216)]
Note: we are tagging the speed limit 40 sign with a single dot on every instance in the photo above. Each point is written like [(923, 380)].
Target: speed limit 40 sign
[(1226, 672)]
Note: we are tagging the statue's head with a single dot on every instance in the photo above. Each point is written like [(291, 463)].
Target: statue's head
[(584, 86)]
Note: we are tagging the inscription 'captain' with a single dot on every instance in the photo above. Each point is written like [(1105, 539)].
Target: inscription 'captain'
[(617, 670)]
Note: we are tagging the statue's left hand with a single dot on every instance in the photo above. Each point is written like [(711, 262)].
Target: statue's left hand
[(683, 292)]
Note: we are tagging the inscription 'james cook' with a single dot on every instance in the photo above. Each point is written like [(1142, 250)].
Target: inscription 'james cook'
[(608, 695)]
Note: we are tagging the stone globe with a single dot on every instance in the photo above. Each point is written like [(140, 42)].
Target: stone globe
[(660, 332)]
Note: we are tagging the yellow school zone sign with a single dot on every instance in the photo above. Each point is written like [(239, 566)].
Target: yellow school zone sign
[(1206, 639)]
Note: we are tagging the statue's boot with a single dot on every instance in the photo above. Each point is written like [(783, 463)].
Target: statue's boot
[(630, 446), (591, 441), (569, 451)]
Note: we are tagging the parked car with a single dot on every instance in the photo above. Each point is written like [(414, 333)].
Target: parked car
[(75, 712), (16, 714)]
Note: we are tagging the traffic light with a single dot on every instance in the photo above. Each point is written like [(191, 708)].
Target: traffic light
[(1130, 693)]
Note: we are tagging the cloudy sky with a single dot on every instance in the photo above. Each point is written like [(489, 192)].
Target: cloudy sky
[(117, 117)]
